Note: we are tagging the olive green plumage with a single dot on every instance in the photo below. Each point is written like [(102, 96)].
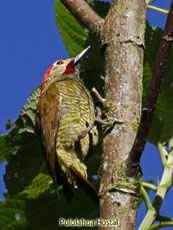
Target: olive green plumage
[(64, 111)]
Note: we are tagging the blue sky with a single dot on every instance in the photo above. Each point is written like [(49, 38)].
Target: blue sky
[(30, 43)]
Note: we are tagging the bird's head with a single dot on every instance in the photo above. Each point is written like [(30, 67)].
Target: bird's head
[(62, 68)]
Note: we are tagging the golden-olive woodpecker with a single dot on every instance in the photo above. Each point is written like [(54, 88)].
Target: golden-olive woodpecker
[(64, 111)]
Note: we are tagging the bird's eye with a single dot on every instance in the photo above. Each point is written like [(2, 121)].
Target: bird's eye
[(59, 63)]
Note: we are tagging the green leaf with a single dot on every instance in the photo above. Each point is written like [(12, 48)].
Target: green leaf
[(2, 149), (45, 211), (9, 123), (9, 143), (23, 149), (161, 129), (19, 212), (24, 163), (27, 115), (12, 213), (76, 37), (73, 33), (39, 185)]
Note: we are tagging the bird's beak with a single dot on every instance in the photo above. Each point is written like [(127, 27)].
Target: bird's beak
[(80, 55)]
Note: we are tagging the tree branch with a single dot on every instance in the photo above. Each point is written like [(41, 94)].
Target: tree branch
[(85, 14), (153, 91)]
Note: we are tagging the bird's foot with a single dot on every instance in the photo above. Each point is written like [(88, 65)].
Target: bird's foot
[(86, 131), (106, 125), (99, 121)]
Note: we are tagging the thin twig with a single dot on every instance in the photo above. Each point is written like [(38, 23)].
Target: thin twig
[(157, 9), (99, 97), (161, 225), (163, 153), (146, 198), (153, 91), (148, 185)]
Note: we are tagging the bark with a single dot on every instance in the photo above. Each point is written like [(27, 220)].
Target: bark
[(85, 14), (123, 35)]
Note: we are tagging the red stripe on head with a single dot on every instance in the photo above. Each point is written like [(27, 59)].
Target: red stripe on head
[(70, 68), (45, 76)]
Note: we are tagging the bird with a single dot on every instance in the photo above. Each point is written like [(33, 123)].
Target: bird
[(64, 111)]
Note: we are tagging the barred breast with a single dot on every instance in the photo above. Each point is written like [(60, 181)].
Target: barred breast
[(76, 113)]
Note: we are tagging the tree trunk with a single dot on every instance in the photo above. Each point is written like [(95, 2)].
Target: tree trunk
[(123, 35)]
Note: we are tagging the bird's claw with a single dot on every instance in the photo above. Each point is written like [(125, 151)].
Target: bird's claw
[(86, 131), (98, 120)]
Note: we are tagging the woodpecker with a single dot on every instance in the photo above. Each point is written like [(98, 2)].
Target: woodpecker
[(65, 110)]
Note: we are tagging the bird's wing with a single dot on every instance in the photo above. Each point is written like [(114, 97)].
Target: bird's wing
[(47, 117)]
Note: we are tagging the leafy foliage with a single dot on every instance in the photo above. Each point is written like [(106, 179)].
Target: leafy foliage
[(76, 37), (27, 114), (162, 124), (2, 147), (31, 194), (10, 211)]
